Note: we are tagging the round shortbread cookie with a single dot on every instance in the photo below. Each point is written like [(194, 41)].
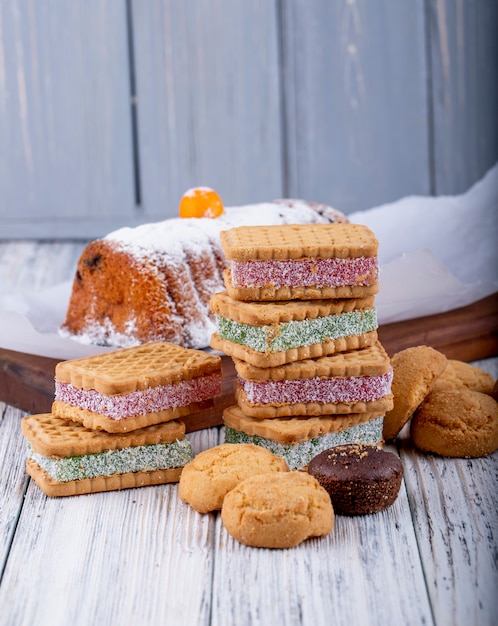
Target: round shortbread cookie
[(360, 479), (213, 473), (459, 423), (277, 510), (460, 374), (415, 370)]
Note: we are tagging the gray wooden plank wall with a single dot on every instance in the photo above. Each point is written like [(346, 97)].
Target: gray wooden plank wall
[(110, 110)]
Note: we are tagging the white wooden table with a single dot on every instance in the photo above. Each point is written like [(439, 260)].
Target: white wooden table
[(141, 556)]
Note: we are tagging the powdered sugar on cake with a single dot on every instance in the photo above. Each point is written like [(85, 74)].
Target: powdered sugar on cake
[(172, 235), (181, 259)]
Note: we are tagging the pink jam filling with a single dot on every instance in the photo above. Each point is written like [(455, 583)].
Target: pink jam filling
[(361, 271), (326, 390), (149, 400)]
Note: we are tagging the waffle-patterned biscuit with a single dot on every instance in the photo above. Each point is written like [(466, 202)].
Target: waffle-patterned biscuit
[(292, 430), (313, 351), (98, 421), (270, 293), (370, 361), (136, 387), (65, 458), (415, 371), (277, 510), (53, 488), (52, 436), (458, 374), (137, 368), (300, 262), (460, 423), (214, 472), (297, 241)]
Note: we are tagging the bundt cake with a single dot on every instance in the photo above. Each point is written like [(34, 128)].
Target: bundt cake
[(154, 282)]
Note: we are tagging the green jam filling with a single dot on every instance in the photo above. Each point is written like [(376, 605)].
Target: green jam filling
[(300, 454), (294, 334), (137, 459)]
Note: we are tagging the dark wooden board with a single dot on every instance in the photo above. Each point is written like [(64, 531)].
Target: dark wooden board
[(468, 334), (27, 382)]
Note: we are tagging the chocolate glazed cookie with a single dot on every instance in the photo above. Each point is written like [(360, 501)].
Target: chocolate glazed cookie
[(360, 479)]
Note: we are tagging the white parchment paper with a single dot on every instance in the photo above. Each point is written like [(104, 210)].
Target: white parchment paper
[(436, 254)]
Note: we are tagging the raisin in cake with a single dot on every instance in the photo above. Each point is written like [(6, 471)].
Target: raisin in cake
[(154, 282)]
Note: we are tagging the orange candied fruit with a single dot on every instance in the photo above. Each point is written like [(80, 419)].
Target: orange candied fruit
[(200, 202)]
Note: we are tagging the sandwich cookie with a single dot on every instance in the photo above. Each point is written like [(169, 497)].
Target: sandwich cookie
[(267, 334), (66, 459), (135, 387), (300, 261), (298, 439), (351, 382)]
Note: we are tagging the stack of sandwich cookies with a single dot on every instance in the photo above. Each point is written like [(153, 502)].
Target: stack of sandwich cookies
[(114, 419), (298, 320)]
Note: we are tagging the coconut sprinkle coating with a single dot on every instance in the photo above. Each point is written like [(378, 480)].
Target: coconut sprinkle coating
[(316, 389), (150, 400), (334, 272), (293, 334), (300, 454), (135, 459)]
